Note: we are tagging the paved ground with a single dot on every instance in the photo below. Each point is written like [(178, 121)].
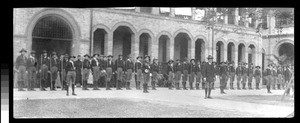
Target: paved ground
[(159, 103)]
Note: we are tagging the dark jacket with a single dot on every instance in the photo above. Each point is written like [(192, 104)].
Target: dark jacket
[(223, 70), (86, 64), (119, 63), (138, 65), (239, 71), (154, 67), (78, 65), (209, 72), (250, 71), (46, 61), (129, 65), (185, 66), (31, 62), (55, 62), (178, 67), (170, 69), (70, 67), (192, 68), (257, 73), (231, 69), (146, 67), (198, 68)]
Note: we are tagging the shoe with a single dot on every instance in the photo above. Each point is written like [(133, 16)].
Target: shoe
[(108, 89), (43, 89), (153, 88), (74, 94), (96, 89), (21, 89), (119, 89), (209, 97), (32, 89), (67, 94), (269, 92), (205, 97)]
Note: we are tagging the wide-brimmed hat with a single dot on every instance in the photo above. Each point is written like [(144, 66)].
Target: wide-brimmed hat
[(210, 57), (110, 56), (23, 50), (146, 56), (53, 53), (139, 57), (170, 61), (86, 55), (44, 51), (32, 52), (95, 54), (192, 60), (257, 67)]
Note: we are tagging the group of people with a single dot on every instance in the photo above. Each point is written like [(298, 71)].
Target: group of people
[(72, 69)]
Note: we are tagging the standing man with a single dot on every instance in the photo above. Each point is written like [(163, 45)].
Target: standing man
[(209, 76), (227, 74), (45, 69), (244, 74), (32, 69), (192, 71), (198, 74), (21, 63), (170, 71), (54, 69), (257, 75), (250, 76), (201, 70), (86, 71), (185, 68), (103, 70), (239, 71), (217, 73), (71, 75), (154, 68), (109, 71), (78, 65), (279, 76), (223, 74), (146, 73), (96, 71), (64, 73), (232, 74), (274, 72), (269, 76), (138, 71), (177, 69), (129, 66), (119, 65)]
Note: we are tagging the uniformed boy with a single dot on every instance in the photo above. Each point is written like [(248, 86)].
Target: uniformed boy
[(32, 69), (170, 71), (20, 66), (64, 62), (244, 75), (250, 75), (146, 73), (71, 75), (178, 72), (232, 74), (185, 68), (55, 64), (239, 72), (279, 77), (129, 66), (257, 75), (209, 76), (223, 74), (86, 71), (109, 70), (192, 73), (269, 76), (154, 68), (203, 83), (119, 63), (198, 74), (274, 72), (217, 73), (138, 71), (227, 74), (45, 69), (78, 65), (96, 71)]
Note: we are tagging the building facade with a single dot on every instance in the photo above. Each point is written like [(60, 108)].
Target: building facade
[(143, 31)]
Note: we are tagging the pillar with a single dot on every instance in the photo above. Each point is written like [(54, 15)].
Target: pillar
[(246, 54), (236, 53), (193, 13), (192, 53), (225, 53), (226, 19), (236, 14), (108, 44), (246, 22), (171, 48), (154, 48), (135, 46), (172, 12)]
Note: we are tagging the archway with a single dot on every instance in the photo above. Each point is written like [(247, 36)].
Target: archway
[(251, 54), (286, 50), (122, 38), (230, 51), (181, 46), (200, 50), (163, 48), (100, 36), (241, 53), (52, 33), (220, 51), (145, 39)]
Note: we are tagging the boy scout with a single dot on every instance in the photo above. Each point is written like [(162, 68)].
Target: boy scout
[(96, 71), (274, 73), (244, 74), (78, 65), (232, 74), (178, 72), (109, 70), (170, 71), (63, 71), (21, 69), (257, 75), (192, 71), (119, 63), (146, 73), (270, 79), (45, 62), (138, 71), (209, 76), (250, 76), (203, 83), (185, 68), (54, 61), (154, 68), (223, 74), (129, 66), (217, 73), (71, 75), (279, 77), (32, 69), (86, 71), (198, 74), (239, 71)]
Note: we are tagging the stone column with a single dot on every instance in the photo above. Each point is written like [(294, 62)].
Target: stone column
[(135, 45), (155, 10), (236, 55), (154, 48), (225, 55), (192, 50), (246, 22), (193, 13), (172, 12), (171, 48), (108, 44), (226, 19), (246, 54), (236, 14)]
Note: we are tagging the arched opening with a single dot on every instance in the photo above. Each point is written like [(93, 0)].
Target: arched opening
[(122, 39), (286, 50), (241, 53), (52, 33), (181, 46), (220, 51), (230, 51), (263, 59), (100, 36), (163, 49), (200, 50), (251, 54), (144, 44)]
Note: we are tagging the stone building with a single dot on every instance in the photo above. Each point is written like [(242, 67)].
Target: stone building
[(146, 31)]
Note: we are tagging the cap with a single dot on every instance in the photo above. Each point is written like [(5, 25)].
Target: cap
[(86, 55), (170, 61), (32, 52), (44, 51), (23, 50), (192, 60), (210, 57), (139, 57), (110, 56)]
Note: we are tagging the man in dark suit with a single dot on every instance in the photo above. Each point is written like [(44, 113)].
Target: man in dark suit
[(177, 72), (138, 72), (192, 72), (185, 68), (257, 75), (170, 71), (109, 70), (86, 71), (32, 69), (223, 75), (129, 66), (154, 68), (209, 76), (119, 64), (232, 74)]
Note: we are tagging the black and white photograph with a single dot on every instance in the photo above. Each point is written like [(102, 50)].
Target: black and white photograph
[(153, 62)]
